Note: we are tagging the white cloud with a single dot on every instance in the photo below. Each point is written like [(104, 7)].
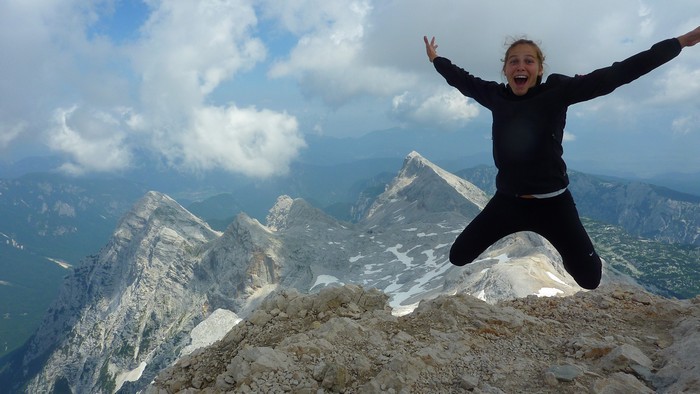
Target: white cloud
[(38, 40), (678, 85), (93, 140), (447, 109), (330, 58), (243, 140), (184, 52), (189, 50)]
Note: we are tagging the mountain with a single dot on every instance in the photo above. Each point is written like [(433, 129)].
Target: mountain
[(111, 306), (126, 313), (29, 165), (643, 209)]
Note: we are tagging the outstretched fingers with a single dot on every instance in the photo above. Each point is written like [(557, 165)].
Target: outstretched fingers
[(430, 48)]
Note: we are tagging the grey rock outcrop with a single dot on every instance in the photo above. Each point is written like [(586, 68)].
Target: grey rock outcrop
[(612, 340)]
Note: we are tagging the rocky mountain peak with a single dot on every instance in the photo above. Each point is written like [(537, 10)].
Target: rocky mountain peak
[(288, 213), (430, 189), (277, 217), (157, 210), (416, 165)]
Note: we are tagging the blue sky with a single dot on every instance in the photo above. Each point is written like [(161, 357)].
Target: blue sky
[(239, 85)]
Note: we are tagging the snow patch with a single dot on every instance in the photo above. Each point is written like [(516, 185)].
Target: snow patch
[(325, 280), (402, 310), (60, 263), (419, 286), (130, 376), (548, 292), (211, 329), (556, 278), (354, 259), (400, 256), (502, 258)]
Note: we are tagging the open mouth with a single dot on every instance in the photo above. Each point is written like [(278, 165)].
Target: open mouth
[(520, 80)]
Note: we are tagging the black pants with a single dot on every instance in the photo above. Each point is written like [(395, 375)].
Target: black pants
[(556, 219)]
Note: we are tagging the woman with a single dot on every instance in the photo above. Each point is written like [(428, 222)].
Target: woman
[(528, 126)]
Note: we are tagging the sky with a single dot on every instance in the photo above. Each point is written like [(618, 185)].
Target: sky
[(240, 85)]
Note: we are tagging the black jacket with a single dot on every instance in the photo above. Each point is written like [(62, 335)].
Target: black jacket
[(527, 130)]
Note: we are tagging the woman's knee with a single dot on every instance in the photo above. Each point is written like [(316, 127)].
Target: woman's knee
[(463, 253), (588, 275), (455, 258), (589, 282), (458, 256)]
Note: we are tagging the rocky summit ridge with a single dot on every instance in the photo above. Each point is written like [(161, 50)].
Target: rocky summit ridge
[(616, 339), (165, 278)]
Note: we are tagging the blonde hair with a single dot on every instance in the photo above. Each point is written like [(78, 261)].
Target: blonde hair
[(512, 42)]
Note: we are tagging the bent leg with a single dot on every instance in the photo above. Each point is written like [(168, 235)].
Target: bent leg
[(494, 222), (563, 228)]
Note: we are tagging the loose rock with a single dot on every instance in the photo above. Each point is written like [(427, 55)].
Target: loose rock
[(346, 340)]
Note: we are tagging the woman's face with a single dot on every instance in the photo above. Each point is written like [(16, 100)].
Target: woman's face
[(522, 68)]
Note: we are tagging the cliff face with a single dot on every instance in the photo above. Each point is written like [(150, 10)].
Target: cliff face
[(128, 312), (110, 310), (612, 340)]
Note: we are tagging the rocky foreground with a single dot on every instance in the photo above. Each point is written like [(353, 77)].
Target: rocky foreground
[(611, 340)]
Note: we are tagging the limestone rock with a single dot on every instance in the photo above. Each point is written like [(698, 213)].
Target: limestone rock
[(448, 344)]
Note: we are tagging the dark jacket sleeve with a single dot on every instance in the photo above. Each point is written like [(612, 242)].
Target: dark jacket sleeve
[(605, 80), (469, 85)]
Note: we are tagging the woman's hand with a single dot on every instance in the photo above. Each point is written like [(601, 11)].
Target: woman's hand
[(688, 39), (430, 48)]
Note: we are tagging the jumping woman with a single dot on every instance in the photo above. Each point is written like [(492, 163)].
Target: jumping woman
[(528, 126)]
